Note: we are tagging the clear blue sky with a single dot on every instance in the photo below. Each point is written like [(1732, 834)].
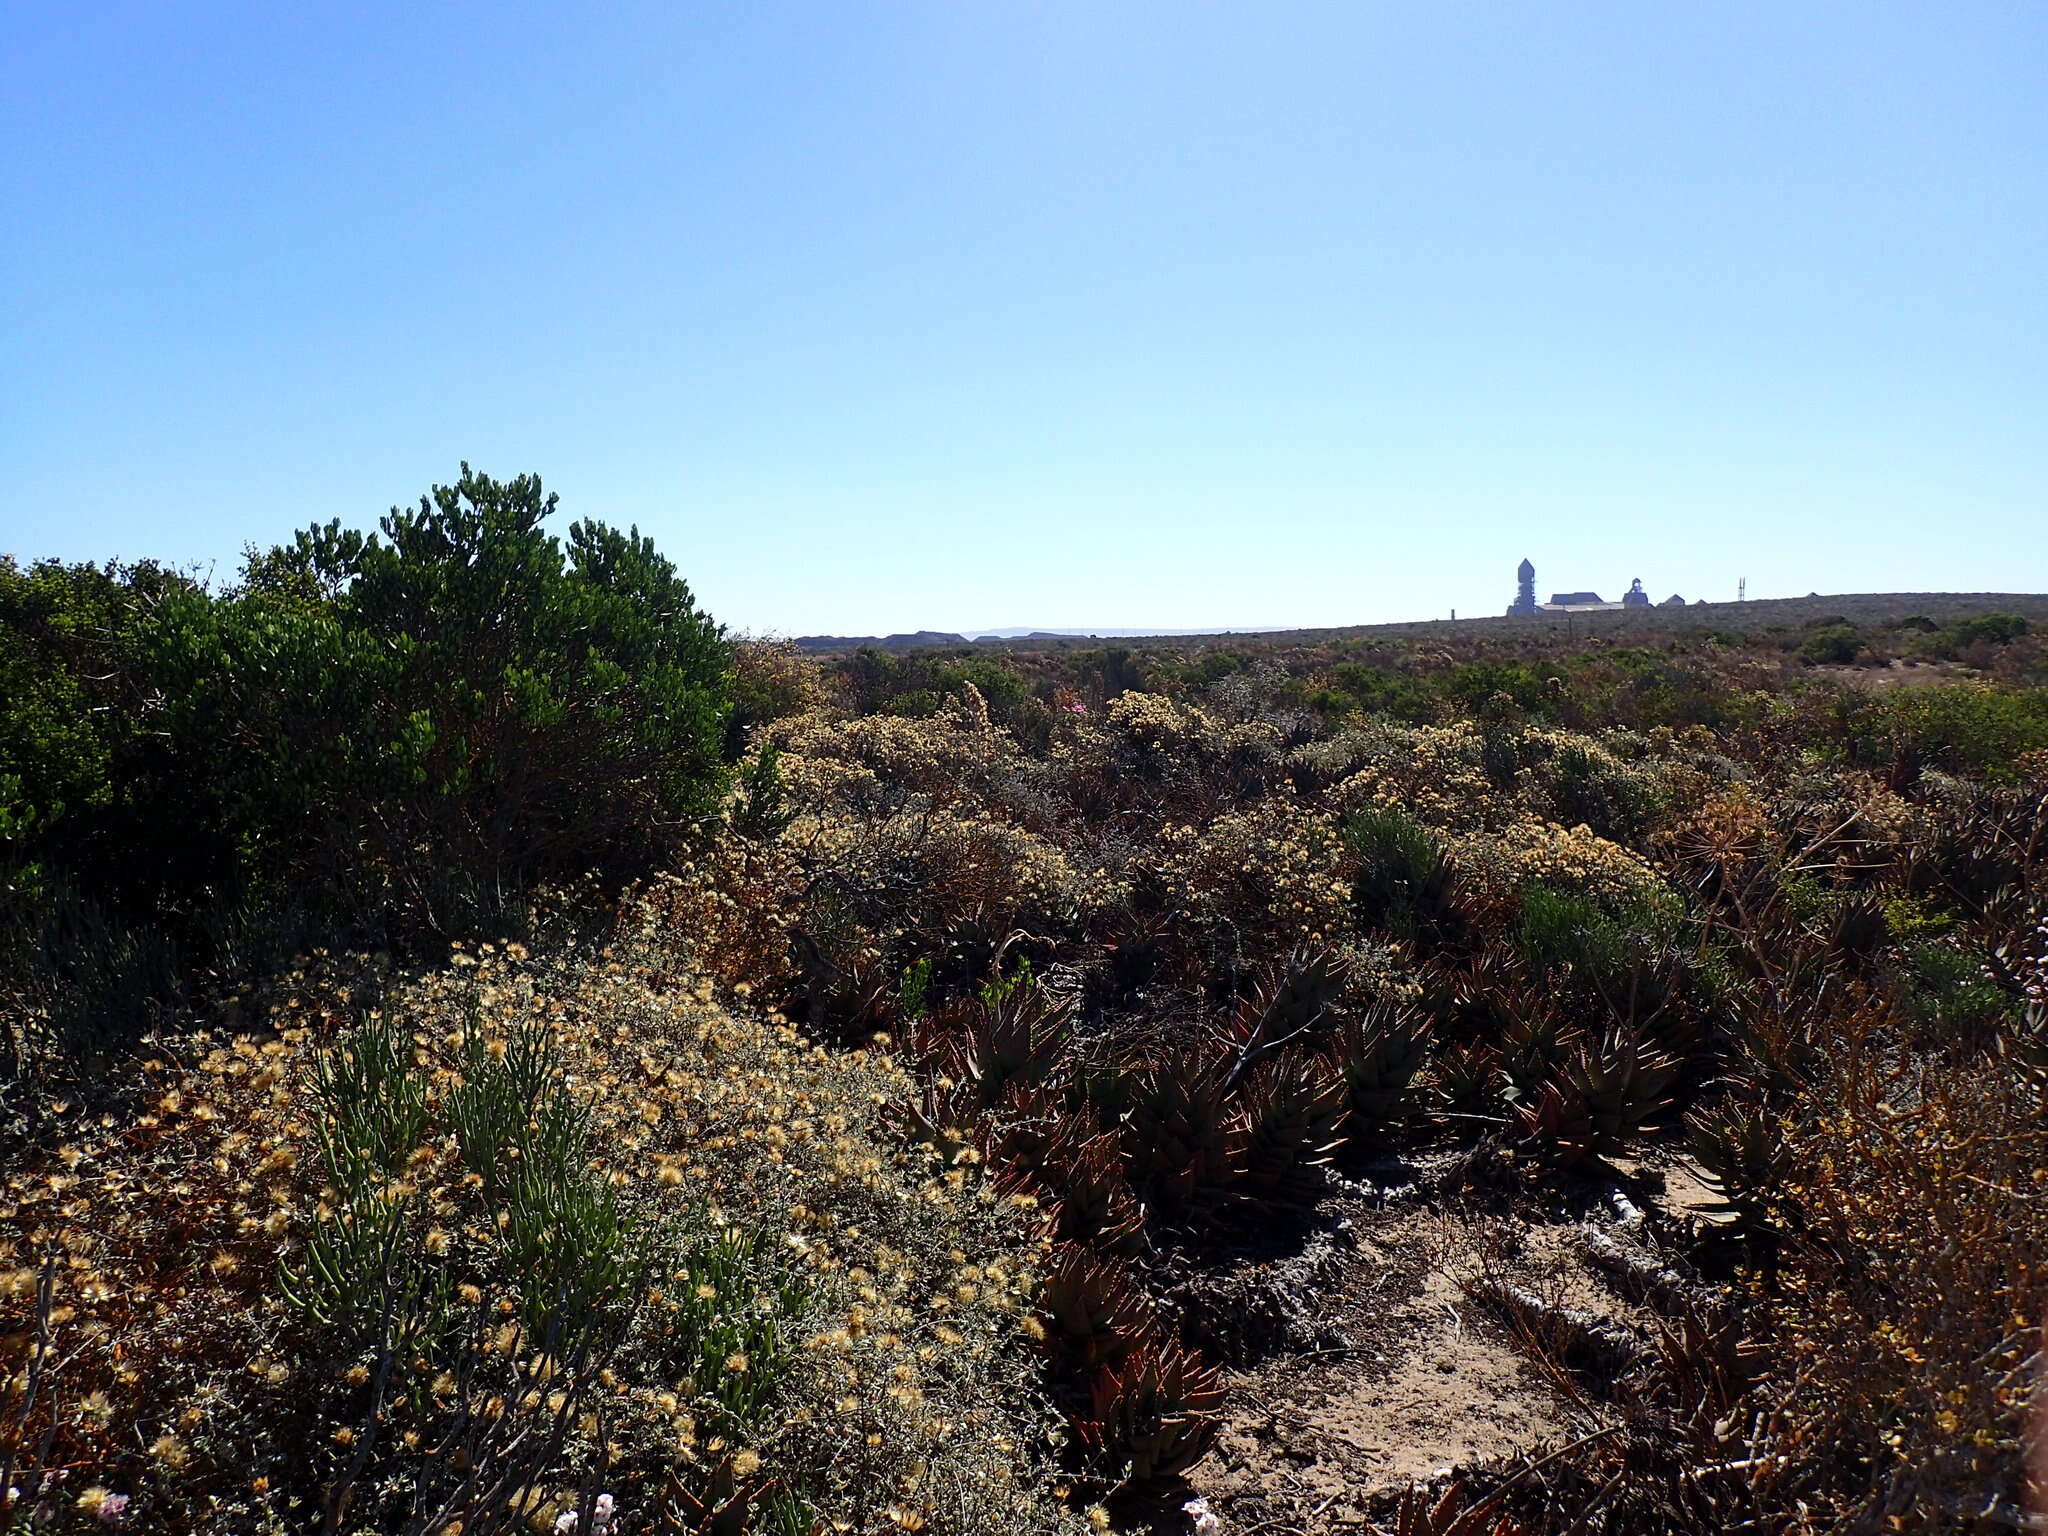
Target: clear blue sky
[(1057, 312)]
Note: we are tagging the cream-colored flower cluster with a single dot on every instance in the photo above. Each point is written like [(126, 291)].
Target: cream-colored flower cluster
[(957, 860), (1381, 971), (1163, 729), (877, 759), (1436, 773), (1272, 869), (1620, 763), (1497, 864), (773, 676), (911, 1387)]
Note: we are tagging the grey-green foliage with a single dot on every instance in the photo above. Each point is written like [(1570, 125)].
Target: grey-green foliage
[(500, 1091), (1562, 929), (734, 1322), (1594, 788), (1404, 878), (373, 1102), (372, 1107), (519, 1130), (761, 808), (1950, 986), (1602, 941), (526, 1213), (561, 1238)]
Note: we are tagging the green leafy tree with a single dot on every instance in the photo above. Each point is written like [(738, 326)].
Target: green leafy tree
[(461, 693), (394, 730)]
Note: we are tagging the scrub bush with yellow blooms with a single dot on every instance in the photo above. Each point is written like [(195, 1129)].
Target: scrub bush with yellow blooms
[(1269, 874), (1437, 774), (1575, 859), (473, 1247)]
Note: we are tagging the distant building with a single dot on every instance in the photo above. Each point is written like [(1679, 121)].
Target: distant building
[(1525, 603), (1525, 589), (1673, 601)]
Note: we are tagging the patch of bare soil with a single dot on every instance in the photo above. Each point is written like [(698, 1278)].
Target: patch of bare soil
[(1896, 674), (1380, 1351)]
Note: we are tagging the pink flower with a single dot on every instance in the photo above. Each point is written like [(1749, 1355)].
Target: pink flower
[(601, 1512)]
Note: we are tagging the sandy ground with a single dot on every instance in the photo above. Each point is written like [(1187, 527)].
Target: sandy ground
[(1387, 1365), (1428, 1383), (1896, 674)]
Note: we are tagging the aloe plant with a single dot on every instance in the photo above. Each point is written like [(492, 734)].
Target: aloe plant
[(1291, 1113), (1742, 1155), (1153, 1416), (1379, 1056), (1097, 1315)]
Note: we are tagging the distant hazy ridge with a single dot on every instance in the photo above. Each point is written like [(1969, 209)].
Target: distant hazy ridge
[(1856, 607)]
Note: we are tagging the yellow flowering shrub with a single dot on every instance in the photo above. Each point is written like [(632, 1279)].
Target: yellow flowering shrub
[(772, 679), (941, 862), (187, 1383), (880, 761), (1164, 758), (1496, 865), (1269, 872), (1435, 773)]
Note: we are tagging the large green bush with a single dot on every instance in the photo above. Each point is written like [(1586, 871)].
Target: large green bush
[(1475, 685), (1972, 726), (91, 790), (1831, 645), (465, 688), (1981, 628), (400, 730), (1356, 688)]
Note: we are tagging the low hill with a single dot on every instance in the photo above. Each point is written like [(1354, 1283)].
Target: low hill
[(913, 641), (1741, 618), (1758, 614)]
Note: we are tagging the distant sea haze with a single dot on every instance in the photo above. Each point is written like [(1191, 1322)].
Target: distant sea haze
[(925, 639)]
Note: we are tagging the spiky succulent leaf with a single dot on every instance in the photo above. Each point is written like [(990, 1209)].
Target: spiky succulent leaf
[(1558, 1122), (1153, 1415), (1292, 1113), (1742, 1154), (1380, 1055), (1181, 1143), (1097, 1315), (1624, 1082)]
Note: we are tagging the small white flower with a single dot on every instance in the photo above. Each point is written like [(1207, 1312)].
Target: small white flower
[(1206, 1522)]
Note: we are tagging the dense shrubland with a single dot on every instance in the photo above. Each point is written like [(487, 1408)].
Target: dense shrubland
[(1700, 902), (486, 1049)]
